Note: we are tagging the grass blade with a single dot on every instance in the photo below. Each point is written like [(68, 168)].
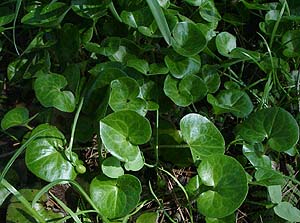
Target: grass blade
[(160, 20)]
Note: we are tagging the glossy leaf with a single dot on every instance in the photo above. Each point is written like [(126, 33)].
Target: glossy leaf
[(255, 154), (227, 182), (140, 65), (211, 78), (234, 101), (188, 39), (111, 167), (186, 91), (209, 12), (149, 217), (136, 164), (45, 155), (180, 66), (268, 177), (49, 15), (115, 197), (48, 87), (121, 133), (124, 96), (274, 124), (202, 136), (15, 117), (287, 211), (225, 43), (291, 42)]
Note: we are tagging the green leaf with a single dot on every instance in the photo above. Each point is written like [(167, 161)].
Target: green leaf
[(180, 66), (138, 64), (7, 15), (121, 133), (225, 43), (125, 96), (186, 91), (160, 20), (255, 154), (149, 217), (268, 177), (15, 117), (193, 186), (209, 12), (115, 197), (227, 219), (111, 167), (233, 101), (202, 136), (287, 211), (291, 42), (188, 39), (90, 9), (15, 67), (48, 87), (211, 78), (49, 15), (275, 193), (155, 69), (274, 124), (227, 183), (45, 155)]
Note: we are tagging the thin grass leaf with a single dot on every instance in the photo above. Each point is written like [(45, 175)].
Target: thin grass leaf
[(160, 20)]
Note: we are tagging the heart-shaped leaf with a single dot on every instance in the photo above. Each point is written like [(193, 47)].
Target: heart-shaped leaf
[(291, 42), (188, 39), (202, 136), (227, 186), (121, 133), (180, 66), (234, 101), (186, 91), (274, 124), (15, 117), (111, 167), (124, 96), (46, 16), (48, 87), (115, 197), (225, 43), (45, 155)]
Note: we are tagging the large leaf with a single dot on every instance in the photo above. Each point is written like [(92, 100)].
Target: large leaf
[(274, 124), (188, 39), (121, 133), (115, 197), (124, 96), (202, 136), (227, 186), (180, 66), (46, 16), (287, 211), (234, 101), (48, 87), (225, 43), (186, 91), (45, 155), (15, 117)]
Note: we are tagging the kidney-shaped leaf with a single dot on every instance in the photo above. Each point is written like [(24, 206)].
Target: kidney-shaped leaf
[(124, 96), (234, 101), (202, 136), (45, 155), (186, 91), (275, 124), (48, 87), (121, 133), (188, 39), (227, 182), (225, 43), (115, 197), (15, 117)]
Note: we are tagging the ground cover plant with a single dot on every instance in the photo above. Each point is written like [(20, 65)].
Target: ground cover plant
[(149, 111)]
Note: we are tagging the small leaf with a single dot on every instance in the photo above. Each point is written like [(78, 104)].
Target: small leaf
[(268, 177), (48, 87), (111, 167), (15, 67), (275, 193), (225, 43), (274, 124), (227, 183), (202, 136), (255, 154), (149, 217), (135, 164), (291, 42), (209, 12), (124, 96), (15, 117), (121, 133), (228, 219), (7, 15), (186, 91), (45, 155), (188, 39), (180, 66), (139, 64), (234, 101), (287, 211), (115, 197)]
